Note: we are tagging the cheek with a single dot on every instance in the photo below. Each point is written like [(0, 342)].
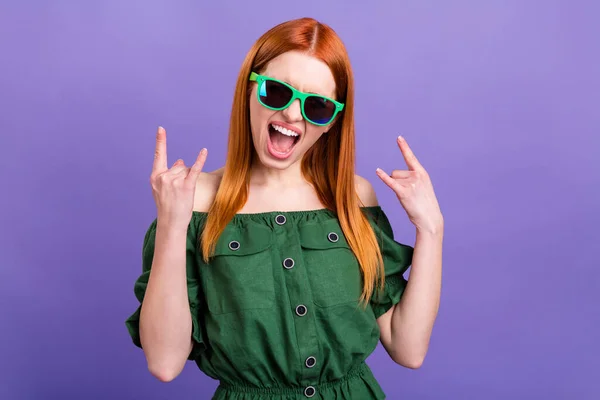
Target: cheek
[(257, 117), (258, 113), (313, 133)]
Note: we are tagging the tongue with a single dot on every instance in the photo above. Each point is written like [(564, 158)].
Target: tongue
[(281, 142)]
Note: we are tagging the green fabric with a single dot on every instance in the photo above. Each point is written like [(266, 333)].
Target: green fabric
[(246, 331)]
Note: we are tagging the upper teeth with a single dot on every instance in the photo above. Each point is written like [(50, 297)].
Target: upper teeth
[(285, 131)]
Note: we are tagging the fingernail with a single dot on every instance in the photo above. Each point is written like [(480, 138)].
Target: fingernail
[(400, 137)]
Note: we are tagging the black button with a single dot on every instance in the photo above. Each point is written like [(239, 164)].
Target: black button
[(309, 391), (288, 263), (310, 362), (333, 237), (301, 310), (280, 219), (234, 245)]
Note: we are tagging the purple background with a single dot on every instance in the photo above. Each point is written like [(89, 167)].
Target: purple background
[(499, 100)]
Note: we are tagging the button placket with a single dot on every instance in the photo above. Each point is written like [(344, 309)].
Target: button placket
[(296, 281)]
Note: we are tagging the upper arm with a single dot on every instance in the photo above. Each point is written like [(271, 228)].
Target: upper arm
[(385, 328), (365, 191)]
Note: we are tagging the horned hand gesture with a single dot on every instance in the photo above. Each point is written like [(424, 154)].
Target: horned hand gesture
[(415, 192), (174, 188)]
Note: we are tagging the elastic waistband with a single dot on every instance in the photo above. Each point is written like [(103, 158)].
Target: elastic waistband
[(357, 371)]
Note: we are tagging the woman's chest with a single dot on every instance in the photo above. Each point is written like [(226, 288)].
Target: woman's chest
[(262, 266)]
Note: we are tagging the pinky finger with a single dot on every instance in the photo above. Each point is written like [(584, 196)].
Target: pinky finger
[(198, 165), (388, 180)]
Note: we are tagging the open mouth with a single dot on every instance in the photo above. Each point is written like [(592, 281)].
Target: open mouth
[(282, 139)]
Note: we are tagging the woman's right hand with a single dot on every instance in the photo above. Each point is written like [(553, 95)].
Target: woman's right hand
[(174, 189)]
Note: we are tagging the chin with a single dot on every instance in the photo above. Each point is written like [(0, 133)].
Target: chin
[(268, 160)]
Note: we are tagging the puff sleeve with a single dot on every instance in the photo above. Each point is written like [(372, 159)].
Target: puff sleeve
[(397, 257), (193, 288)]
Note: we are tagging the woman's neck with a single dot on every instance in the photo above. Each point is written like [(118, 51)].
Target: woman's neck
[(268, 177)]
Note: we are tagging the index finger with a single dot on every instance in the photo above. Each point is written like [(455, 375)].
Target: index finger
[(160, 153), (409, 157)]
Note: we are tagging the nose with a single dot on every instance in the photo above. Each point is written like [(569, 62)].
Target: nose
[(293, 112)]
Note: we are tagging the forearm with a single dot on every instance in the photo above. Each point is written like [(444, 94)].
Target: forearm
[(414, 316), (165, 318)]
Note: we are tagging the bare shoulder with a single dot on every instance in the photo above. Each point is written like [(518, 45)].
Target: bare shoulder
[(365, 191), (206, 189)]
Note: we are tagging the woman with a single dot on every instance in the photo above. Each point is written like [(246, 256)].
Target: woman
[(278, 273)]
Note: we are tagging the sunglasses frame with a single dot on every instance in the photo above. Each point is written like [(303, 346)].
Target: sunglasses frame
[(296, 94)]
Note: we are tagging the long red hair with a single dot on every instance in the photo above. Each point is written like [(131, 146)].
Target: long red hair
[(328, 165)]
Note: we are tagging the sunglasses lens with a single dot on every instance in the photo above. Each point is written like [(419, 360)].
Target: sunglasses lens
[(274, 94), (318, 109)]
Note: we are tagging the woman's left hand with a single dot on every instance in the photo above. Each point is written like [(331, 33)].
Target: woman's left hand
[(415, 192)]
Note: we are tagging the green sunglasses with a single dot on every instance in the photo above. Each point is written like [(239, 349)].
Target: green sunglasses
[(277, 95)]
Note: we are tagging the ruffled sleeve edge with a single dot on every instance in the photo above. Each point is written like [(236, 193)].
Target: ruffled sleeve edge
[(397, 258)]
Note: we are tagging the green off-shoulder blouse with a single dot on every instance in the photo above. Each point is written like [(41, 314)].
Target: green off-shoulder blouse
[(276, 313)]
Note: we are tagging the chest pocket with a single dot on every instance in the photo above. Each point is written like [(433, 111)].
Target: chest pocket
[(333, 270), (240, 274)]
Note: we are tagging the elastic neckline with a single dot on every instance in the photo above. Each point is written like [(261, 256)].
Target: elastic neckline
[(290, 213)]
